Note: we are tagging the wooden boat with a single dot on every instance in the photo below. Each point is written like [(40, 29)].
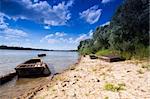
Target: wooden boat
[(92, 56), (32, 68), (41, 55), (111, 58)]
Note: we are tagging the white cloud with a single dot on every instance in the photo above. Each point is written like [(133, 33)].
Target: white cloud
[(107, 23), (81, 38), (46, 37), (90, 33), (91, 15), (14, 33), (84, 36), (10, 33), (7, 32), (70, 40), (60, 34), (65, 41), (54, 38), (60, 37), (40, 11), (3, 24), (106, 1), (36, 0), (46, 27), (52, 41), (49, 36)]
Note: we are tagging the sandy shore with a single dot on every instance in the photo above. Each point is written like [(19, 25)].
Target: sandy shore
[(93, 79)]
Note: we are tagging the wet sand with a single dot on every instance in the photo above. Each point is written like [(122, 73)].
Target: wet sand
[(17, 87), (87, 80)]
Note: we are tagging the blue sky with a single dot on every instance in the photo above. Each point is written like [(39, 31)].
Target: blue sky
[(52, 24)]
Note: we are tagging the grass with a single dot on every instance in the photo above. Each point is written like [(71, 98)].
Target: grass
[(114, 87), (106, 97), (86, 51), (142, 52), (127, 55), (105, 52), (94, 69)]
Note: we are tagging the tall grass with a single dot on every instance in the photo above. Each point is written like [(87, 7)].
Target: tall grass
[(140, 52), (105, 52)]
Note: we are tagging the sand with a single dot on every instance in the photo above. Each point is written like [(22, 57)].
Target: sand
[(88, 80)]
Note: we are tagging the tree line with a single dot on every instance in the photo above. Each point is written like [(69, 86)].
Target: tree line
[(126, 35)]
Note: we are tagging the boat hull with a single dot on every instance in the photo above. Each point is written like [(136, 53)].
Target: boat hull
[(41, 55), (33, 68), (33, 72)]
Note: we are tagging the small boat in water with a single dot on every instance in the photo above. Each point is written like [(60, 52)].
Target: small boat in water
[(33, 68), (41, 55)]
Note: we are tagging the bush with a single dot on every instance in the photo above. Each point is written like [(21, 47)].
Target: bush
[(86, 51), (106, 97), (142, 52), (114, 88), (104, 52), (126, 55)]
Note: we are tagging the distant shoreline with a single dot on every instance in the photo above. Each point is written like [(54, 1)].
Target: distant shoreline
[(35, 49), (20, 48)]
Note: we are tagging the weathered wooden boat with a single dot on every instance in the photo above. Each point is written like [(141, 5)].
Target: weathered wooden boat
[(33, 68), (41, 55), (111, 58), (92, 56)]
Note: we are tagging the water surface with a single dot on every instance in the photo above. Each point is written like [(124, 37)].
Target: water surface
[(57, 61)]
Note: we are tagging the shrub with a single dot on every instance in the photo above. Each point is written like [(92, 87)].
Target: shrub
[(127, 55), (114, 88), (106, 97), (142, 52), (104, 52)]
